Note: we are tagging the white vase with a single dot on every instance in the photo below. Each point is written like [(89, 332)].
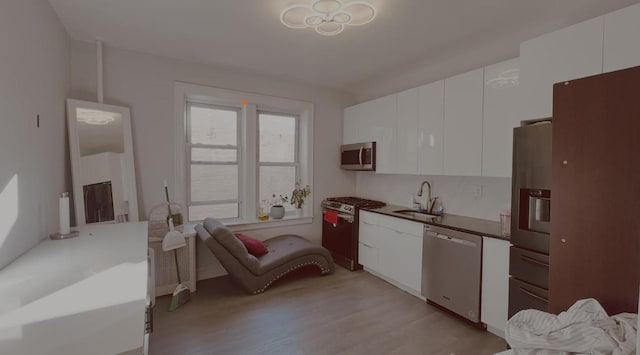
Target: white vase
[(276, 212), (299, 212)]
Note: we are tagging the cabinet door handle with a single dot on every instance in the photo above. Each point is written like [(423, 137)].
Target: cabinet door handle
[(533, 295), (366, 245), (534, 261)]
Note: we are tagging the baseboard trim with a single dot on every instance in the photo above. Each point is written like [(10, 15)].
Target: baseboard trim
[(495, 331), (404, 288)]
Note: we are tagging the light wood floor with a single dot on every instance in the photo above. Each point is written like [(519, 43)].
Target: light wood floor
[(343, 313)]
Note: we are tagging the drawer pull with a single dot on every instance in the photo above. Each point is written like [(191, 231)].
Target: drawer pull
[(533, 295), (534, 261)]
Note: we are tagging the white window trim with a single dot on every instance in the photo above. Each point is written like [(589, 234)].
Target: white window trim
[(185, 92), (296, 155), (237, 148)]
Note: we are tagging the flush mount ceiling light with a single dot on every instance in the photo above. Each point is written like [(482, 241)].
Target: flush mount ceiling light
[(328, 17), (96, 117)]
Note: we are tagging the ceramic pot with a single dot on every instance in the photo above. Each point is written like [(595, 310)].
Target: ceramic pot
[(277, 212)]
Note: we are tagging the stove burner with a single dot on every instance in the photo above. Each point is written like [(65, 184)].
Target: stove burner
[(357, 202)]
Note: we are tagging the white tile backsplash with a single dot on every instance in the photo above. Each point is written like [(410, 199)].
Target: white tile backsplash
[(459, 194)]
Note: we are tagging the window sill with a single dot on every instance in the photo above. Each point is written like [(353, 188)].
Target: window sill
[(246, 225)]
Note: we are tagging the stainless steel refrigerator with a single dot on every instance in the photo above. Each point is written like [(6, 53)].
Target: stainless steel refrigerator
[(530, 211)]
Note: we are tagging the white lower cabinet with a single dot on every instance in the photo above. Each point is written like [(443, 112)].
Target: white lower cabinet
[(369, 241), (495, 284), (392, 248)]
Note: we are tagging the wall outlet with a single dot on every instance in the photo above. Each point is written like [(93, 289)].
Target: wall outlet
[(477, 191)]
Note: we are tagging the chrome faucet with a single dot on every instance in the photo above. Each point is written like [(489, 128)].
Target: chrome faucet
[(429, 193)]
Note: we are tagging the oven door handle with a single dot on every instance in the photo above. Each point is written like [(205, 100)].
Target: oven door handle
[(346, 217), (360, 155)]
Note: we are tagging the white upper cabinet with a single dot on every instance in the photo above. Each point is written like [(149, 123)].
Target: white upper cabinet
[(430, 128), (351, 124), (406, 132), (374, 121), (621, 32), (501, 90), (567, 54), (379, 118), (463, 124)]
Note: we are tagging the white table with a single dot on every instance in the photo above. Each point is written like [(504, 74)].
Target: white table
[(85, 295)]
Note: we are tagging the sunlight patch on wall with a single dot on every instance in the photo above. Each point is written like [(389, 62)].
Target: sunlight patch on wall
[(8, 208)]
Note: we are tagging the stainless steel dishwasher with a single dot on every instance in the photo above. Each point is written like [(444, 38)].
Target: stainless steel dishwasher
[(452, 270)]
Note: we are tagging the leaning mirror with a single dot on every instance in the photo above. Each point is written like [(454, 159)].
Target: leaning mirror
[(104, 185)]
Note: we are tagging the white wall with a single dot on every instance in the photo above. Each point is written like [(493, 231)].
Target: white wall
[(145, 83), (458, 193), (34, 78)]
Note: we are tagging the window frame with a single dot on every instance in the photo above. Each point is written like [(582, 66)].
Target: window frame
[(189, 148), (296, 155), (249, 105)]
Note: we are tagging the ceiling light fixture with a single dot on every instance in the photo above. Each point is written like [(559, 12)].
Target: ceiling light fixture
[(328, 17), (96, 117)]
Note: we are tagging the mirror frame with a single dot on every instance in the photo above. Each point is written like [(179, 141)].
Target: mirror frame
[(74, 147)]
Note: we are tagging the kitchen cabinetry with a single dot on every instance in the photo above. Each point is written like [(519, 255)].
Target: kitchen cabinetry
[(392, 248), (430, 128), (501, 115), (594, 249), (463, 124), (495, 284), (351, 124), (374, 121), (379, 118), (621, 31), (369, 235), (406, 132), (570, 53)]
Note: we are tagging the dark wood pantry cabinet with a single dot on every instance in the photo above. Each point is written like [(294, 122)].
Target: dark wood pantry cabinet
[(595, 210)]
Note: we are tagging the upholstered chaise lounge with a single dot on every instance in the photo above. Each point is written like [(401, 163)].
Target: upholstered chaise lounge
[(255, 274)]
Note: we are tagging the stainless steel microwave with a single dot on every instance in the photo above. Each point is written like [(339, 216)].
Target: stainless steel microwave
[(358, 156)]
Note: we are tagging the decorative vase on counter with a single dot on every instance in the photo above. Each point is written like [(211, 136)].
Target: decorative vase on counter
[(277, 212)]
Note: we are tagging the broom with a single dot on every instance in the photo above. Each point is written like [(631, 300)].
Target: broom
[(172, 241)]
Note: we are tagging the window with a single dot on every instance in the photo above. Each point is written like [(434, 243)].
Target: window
[(214, 167), (235, 149), (277, 155)]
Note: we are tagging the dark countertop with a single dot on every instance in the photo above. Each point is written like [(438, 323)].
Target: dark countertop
[(481, 227)]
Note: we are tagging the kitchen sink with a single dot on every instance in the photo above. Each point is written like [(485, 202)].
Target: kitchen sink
[(414, 213)]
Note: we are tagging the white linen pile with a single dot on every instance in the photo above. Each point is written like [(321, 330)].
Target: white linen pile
[(585, 328)]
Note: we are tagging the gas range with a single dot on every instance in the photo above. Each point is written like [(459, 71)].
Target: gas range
[(340, 228), (349, 204)]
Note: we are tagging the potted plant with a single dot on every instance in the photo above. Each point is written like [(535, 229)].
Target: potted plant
[(299, 194), (277, 208)]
